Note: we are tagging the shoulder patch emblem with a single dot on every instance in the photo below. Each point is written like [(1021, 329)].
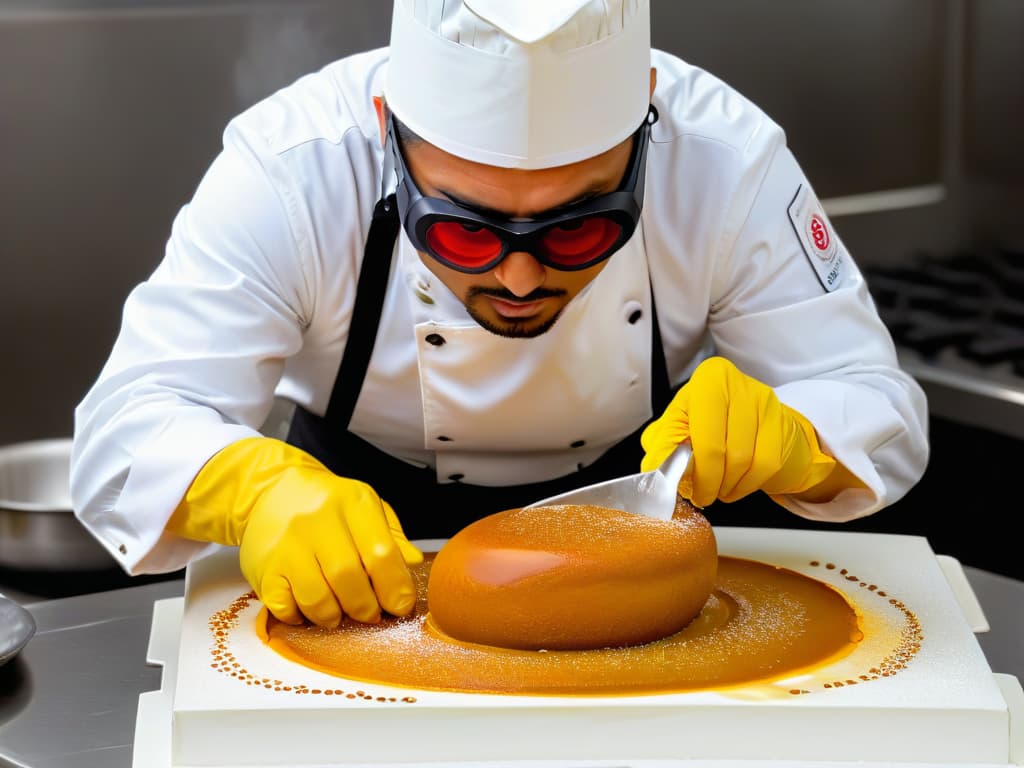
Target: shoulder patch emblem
[(816, 237)]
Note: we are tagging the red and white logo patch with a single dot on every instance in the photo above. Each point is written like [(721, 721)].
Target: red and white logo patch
[(816, 237), (820, 238)]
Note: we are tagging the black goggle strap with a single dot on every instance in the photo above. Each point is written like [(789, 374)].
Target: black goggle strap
[(390, 168), (393, 162), (638, 173)]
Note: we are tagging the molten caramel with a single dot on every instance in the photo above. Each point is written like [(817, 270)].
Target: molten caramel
[(761, 623)]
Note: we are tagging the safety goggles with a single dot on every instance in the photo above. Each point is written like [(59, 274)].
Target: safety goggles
[(573, 238)]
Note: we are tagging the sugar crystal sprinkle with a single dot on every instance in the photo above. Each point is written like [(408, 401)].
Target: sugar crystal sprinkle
[(775, 623), (224, 622)]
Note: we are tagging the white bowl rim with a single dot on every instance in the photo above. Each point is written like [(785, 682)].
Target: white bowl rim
[(35, 449), (32, 448), (33, 506)]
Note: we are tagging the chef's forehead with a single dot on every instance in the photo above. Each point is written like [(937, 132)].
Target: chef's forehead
[(520, 83)]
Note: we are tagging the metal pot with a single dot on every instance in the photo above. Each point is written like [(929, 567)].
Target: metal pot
[(38, 529)]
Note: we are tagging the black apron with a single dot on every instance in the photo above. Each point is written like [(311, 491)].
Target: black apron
[(429, 509)]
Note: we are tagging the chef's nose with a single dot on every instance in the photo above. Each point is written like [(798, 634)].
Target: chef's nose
[(520, 273)]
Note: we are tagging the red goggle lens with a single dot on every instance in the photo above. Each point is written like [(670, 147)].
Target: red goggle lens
[(463, 244), (580, 241), (570, 244)]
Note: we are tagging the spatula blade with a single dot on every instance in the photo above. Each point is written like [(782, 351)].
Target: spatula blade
[(652, 493)]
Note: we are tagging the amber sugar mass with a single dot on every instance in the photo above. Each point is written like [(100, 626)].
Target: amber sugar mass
[(572, 577)]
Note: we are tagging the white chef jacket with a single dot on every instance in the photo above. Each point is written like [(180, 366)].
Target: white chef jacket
[(254, 296)]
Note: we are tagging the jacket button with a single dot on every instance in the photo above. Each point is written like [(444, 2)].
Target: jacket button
[(456, 477), (635, 316), (578, 444), (434, 338), (444, 438)]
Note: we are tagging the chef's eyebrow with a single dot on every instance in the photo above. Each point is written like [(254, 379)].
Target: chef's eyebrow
[(485, 211)]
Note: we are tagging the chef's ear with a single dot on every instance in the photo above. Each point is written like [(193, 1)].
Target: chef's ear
[(654, 80), (378, 104)]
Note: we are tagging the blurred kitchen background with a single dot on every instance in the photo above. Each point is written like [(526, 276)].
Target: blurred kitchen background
[(906, 115)]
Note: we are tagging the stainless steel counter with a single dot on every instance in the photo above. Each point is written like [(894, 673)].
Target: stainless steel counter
[(69, 699)]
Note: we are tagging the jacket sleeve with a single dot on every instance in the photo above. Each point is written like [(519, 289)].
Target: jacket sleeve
[(199, 353), (815, 336)]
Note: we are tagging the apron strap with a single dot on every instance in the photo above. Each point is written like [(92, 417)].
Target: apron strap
[(369, 303), (661, 384)]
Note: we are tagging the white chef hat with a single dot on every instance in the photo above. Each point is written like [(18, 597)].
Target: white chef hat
[(520, 83)]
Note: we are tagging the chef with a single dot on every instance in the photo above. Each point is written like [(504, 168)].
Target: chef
[(515, 252)]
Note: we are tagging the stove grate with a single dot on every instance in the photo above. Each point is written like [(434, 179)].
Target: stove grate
[(968, 304)]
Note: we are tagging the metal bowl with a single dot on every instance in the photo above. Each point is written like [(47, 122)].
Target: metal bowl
[(38, 529), (16, 628)]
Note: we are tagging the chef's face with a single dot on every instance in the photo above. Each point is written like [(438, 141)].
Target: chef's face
[(520, 297)]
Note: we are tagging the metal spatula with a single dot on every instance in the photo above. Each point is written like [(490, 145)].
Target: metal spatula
[(650, 493)]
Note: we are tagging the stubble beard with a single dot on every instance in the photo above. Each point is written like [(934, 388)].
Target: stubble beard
[(511, 328)]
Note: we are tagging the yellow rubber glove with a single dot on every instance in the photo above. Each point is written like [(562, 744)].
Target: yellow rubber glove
[(310, 543), (743, 439)]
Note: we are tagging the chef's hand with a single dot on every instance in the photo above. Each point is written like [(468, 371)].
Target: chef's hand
[(743, 440), (310, 543)]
